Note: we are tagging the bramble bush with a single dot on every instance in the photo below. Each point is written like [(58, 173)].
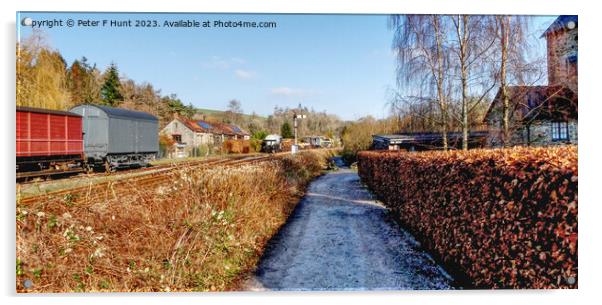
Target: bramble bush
[(502, 218)]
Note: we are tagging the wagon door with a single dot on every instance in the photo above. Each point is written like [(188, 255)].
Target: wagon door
[(137, 136), (96, 137)]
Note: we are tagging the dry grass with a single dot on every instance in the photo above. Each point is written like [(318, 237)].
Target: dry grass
[(202, 232)]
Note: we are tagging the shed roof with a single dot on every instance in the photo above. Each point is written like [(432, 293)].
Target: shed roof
[(560, 23), (125, 113), (46, 111), (423, 137)]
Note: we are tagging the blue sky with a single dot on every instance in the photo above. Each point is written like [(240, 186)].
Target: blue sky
[(342, 64)]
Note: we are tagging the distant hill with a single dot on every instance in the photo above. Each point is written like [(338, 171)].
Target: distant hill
[(220, 114)]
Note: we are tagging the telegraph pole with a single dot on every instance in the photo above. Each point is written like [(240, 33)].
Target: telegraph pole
[(296, 116)]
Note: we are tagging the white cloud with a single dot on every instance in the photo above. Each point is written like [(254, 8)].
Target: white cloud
[(244, 74), (291, 92)]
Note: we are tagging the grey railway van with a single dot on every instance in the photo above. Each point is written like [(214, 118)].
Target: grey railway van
[(115, 137)]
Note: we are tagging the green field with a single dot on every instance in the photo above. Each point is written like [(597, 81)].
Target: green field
[(219, 114)]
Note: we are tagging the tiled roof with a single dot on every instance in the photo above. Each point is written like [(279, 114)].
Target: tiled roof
[(230, 129), (539, 101), (213, 127), (192, 125), (560, 23)]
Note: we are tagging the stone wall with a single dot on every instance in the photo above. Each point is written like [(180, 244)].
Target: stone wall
[(539, 133), (561, 45), (177, 127), (190, 138)]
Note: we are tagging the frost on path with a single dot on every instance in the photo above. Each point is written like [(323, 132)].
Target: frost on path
[(339, 238)]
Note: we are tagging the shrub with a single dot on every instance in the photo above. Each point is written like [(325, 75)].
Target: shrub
[(505, 218), (201, 231), (255, 145), (201, 150), (349, 156), (237, 146)]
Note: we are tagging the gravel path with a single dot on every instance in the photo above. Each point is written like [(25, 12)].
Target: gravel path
[(340, 238)]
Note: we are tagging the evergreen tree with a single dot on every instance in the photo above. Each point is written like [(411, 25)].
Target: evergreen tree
[(175, 105), (286, 131), (110, 93)]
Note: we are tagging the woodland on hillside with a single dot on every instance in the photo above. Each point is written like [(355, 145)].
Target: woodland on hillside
[(46, 80)]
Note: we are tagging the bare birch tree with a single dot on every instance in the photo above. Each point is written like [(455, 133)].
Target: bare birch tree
[(510, 33), (420, 44), (473, 48)]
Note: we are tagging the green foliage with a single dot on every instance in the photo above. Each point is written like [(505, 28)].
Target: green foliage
[(37, 273), (349, 156), (19, 267), (286, 131), (80, 287), (104, 284), (255, 144), (52, 222), (257, 138), (110, 91), (259, 135), (175, 105), (69, 199), (201, 150)]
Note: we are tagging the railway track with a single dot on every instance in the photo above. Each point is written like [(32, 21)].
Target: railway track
[(112, 189), (82, 174), (46, 174)]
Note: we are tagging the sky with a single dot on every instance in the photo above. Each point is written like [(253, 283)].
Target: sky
[(341, 64)]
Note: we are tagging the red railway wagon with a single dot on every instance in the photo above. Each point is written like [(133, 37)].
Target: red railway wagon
[(48, 141)]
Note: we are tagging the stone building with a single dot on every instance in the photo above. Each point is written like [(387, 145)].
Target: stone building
[(539, 115), (192, 137), (543, 115), (188, 136), (228, 132), (561, 38)]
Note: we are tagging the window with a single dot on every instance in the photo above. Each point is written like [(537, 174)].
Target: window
[(560, 131), (177, 138)]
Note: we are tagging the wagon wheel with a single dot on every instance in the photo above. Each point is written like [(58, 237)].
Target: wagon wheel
[(88, 168), (108, 167)]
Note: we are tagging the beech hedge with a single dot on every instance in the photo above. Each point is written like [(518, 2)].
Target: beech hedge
[(502, 218)]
